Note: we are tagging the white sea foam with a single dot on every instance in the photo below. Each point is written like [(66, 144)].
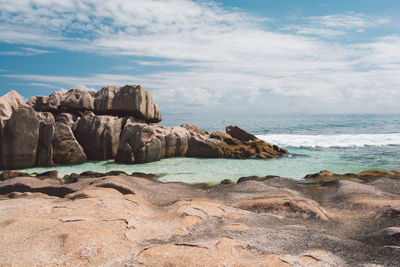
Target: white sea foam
[(339, 140)]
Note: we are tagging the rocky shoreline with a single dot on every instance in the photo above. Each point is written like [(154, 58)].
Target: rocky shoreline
[(121, 219), (116, 219), (75, 126)]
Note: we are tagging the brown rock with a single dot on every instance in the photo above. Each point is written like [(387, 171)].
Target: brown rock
[(103, 100), (193, 129), (39, 103), (46, 133), (66, 149), (67, 118), (202, 146), (98, 135), (77, 100), (129, 100), (240, 134), (20, 139)]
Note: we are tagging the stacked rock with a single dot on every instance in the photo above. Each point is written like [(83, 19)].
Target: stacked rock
[(74, 126)]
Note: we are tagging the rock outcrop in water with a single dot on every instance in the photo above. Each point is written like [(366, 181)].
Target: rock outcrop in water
[(74, 126), (260, 221)]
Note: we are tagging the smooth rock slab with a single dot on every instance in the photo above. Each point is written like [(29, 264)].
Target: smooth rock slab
[(66, 149)]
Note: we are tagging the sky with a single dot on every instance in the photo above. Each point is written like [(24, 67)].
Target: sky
[(228, 56)]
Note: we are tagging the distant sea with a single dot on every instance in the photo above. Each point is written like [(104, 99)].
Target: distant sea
[(339, 143)]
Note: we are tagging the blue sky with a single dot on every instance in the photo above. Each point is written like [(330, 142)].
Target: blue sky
[(246, 57)]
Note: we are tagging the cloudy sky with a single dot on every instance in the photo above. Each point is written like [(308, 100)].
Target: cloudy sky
[(247, 57)]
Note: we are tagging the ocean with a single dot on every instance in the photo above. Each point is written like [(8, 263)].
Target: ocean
[(339, 143)]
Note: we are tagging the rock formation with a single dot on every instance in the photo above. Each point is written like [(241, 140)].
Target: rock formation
[(98, 135), (66, 149), (261, 221), (70, 127), (20, 138), (46, 134)]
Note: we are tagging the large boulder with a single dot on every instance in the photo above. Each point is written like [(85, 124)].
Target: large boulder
[(239, 134), (77, 100), (98, 135), (177, 142), (20, 138), (126, 147), (142, 142), (103, 100), (9, 103), (129, 100), (46, 133), (202, 146), (66, 149)]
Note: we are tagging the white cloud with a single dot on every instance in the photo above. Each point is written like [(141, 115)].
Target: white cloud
[(24, 51), (348, 20), (228, 57)]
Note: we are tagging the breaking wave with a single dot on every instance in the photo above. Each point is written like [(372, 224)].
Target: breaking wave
[(325, 141)]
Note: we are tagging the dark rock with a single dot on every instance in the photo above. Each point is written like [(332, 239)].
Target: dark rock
[(5, 175), (46, 133), (91, 174), (39, 103), (48, 175), (240, 134), (98, 135), (116, 173), (9, 103), (20, 139), (255, 178), (146, 175), (227, 181), (72, 178), (66, 149)]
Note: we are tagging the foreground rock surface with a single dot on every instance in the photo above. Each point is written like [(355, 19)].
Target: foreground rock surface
[(261, 221)]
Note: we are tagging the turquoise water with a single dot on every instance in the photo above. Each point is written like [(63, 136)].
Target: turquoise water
[(339, 143)]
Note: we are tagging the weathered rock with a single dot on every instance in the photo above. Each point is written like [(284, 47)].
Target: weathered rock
[(48, 175), (9, 103), (240, 134), (227, 181), (150, 145), (77, 100), (39, 103), (326, 175), (46, 133), (177, 142), (141, 143), (20, 139), (98, 135), (129, 100), (5, 175), (202, 146), (193, 129), (67, 118), (221, 145), (129, 221), (103, 100), (66, 149)]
